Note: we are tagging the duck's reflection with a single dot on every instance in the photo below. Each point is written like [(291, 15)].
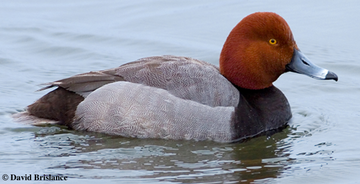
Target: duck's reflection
[(180, 161)]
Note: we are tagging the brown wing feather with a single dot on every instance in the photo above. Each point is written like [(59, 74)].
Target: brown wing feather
[(85, 83)]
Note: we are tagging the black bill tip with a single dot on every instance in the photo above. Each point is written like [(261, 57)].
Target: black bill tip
[(331, 76)]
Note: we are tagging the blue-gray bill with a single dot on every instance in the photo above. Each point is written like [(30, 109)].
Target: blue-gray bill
[(301, 64)]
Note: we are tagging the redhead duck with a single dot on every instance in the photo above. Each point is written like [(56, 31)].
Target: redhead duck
[(173, 97)]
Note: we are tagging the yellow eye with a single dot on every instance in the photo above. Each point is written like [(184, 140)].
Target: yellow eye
[(272, 41)]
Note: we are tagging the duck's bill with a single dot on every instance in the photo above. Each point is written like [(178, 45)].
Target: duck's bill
[(301, 64)]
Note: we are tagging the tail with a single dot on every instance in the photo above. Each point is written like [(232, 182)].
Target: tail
[(56, 107), (26, 118)]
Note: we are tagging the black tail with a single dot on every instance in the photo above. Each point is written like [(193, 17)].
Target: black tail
[(59, 105)]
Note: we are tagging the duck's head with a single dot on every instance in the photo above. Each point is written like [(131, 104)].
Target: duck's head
[(260, 48)]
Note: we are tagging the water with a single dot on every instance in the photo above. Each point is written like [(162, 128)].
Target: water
[(42, 41)]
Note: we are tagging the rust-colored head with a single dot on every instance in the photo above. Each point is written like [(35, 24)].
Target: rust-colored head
[(257, 51)]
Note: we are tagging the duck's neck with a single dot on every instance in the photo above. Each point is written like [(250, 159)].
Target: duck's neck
[(260, 111)]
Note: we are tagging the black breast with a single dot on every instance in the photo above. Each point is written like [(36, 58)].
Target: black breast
[(260, 111)]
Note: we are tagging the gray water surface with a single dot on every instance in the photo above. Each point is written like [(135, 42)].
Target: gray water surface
[(43, 41)]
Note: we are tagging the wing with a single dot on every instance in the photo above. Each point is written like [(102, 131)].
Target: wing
[(85, 83), (183, 77)]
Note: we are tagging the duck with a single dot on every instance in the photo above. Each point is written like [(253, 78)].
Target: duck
[(181, 98)]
